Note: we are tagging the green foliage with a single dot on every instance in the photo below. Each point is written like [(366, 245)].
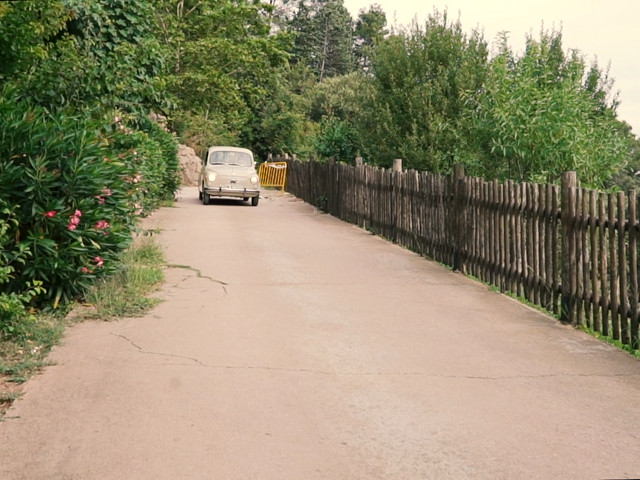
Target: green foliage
[(628, 175), (127, 292), (150, 153), (76, 186), (342, 97), (324, 38), (200, 132), (222, 63), (339, 104), (167, 157), (419, 87), (105, 56), (14, 316), (368, 32), (54, 171), (74, 175), (338, 140), (542, 114), (279, 126), (26, 31), (9, 252)]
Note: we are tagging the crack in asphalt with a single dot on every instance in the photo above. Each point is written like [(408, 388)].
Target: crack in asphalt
[(372, 374), (199, 274), (141, 350)]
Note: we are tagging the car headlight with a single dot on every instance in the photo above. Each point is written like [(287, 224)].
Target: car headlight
[(254, 179), (211, 176)]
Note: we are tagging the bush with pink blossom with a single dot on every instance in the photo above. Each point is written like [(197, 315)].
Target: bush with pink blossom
[(75, 188)]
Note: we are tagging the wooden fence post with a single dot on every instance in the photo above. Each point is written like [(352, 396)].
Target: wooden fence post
[(395, 215), (459, 218), (569, 262), (633, 268), (332, 187), (359, 162)]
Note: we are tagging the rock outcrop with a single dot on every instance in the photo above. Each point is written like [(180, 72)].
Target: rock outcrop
[(189, 165)]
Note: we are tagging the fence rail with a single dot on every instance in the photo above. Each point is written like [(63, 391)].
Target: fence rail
[(570, 250)]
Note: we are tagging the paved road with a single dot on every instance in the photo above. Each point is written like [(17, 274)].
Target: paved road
[(308, 349)]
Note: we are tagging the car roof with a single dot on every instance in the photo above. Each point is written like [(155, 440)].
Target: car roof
[(229, 149)]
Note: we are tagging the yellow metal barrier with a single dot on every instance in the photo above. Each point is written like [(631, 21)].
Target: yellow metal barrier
[(273, 174)]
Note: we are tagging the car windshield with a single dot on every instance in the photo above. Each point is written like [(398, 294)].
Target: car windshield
[(241, 159)]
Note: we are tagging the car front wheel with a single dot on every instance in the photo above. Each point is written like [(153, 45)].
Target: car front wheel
[(205, 198), (254, 201)]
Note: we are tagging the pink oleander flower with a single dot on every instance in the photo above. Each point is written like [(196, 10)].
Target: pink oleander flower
[(85, 270), (100, 198), (99, 261), (50, 213), (74, 220), (107, 191), (101, 225)]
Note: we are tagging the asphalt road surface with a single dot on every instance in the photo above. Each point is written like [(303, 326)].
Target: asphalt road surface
[(291, 345)]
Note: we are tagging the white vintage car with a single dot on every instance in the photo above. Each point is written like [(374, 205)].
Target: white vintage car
[(229, 172)]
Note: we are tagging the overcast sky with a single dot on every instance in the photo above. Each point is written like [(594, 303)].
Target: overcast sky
[(608, 30)]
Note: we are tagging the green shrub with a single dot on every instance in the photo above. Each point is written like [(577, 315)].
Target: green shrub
[(337, 139), (77, 186), (151, 157), (14, 316)]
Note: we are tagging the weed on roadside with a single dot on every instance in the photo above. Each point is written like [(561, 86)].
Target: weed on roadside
[(126, 294)]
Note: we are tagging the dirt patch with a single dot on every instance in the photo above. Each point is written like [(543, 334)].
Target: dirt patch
[(9, 391)]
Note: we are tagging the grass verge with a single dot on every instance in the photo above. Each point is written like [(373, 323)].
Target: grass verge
[(126, 294)]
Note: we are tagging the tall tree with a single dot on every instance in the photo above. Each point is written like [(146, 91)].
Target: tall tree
[(338, 104), (223, 63), (369, 31), (419, 87), (324, 37)]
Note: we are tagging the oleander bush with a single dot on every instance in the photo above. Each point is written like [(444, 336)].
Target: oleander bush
[(153, 154), (14, 316), (73, 186)]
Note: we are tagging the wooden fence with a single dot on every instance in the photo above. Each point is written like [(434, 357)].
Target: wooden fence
[(569, 250)]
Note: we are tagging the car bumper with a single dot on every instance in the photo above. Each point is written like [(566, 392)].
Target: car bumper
[(232, 192)]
